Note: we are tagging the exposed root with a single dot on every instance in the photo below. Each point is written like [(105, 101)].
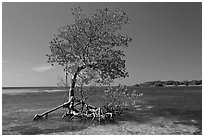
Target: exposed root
[(88, 112)]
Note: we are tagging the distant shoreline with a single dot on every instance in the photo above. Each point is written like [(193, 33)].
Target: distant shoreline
[(170, 83)]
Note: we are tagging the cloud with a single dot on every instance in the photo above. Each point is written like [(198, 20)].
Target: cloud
[(42, 68)]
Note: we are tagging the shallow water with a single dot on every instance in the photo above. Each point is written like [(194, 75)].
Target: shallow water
[(179, 105), (14, 91)]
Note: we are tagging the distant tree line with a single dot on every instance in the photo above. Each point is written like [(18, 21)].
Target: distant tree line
[(159, 83)]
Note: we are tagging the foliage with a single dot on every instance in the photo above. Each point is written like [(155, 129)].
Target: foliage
[(92, 45), (117, 99)]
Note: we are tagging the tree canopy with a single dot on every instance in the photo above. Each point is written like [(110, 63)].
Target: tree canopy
[(91, 46)]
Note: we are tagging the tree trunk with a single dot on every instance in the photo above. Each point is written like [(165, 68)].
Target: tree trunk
[(73, 83), (71, 91)]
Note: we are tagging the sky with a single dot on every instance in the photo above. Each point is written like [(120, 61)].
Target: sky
[(167, 41)]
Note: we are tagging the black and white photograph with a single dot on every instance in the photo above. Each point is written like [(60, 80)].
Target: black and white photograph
[(102, 68)]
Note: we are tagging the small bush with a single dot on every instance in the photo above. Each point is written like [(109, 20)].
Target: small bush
[(117, 99)]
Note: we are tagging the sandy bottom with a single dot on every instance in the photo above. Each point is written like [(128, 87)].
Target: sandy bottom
[(157, 126)]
